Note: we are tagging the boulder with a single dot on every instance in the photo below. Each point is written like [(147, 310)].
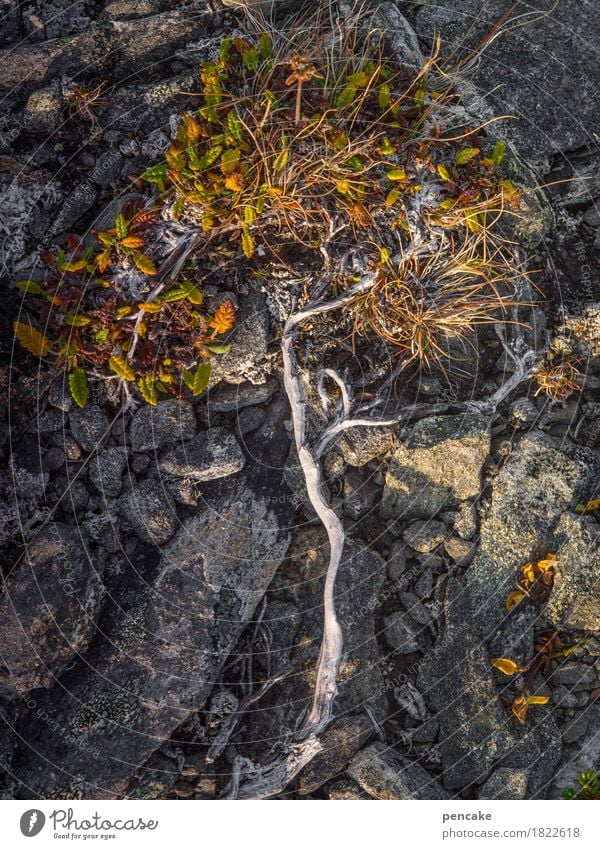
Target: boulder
[(48, 610), (436, 466)]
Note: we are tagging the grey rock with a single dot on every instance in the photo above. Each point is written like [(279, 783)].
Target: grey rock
[(437, 466), (563, 697), (54, 458), (575, 729), (88, 426), (210, 455), (51, 421), (465, 520), (505, 783), (522, 413), (401, 39), (457, 683), (360, 494), (340, 742), (106, 469), (154, 427), (150, 511), (577, 676), (541, 479), (360, 445), (75, 205), (424, 584), (385, 774), (575, 598), (346, 789), (107, 170), (458, 549), (425, 536), (59, 395), (130, 9), (44, 109), (396, 564), (229, 398), (250, 419), (521, 72), (413, 606), (48, 610), (401, 633)]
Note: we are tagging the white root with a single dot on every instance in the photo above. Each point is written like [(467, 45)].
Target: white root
[(272, 779)]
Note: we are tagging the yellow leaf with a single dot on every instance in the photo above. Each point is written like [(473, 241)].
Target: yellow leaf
[(443, 172), (538, 700), (392, 197), (121, 312), (121, 367), (505, 665), (147, 388), (396, 174), (150, 306), (248, 246), (144, 264), (548, 563), (74, 266), (514, 598), (31, 339), (528, 572)]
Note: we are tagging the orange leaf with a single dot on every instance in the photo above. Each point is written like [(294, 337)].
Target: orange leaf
[(103, 261), (132, 242), (528, 572), (548, 563), (150, 306), (519, 708), (234, 181), (224, 318), (514, 598)]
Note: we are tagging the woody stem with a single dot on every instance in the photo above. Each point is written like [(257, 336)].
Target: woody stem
[(298, 102)]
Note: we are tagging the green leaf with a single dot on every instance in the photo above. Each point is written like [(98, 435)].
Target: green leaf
[(346, 97), (211, 156), (197, 381), (265, 46), (466, 155), (78, 387), (498, 153), (101, 336), (30, 287), (121, 225), (156, 174), (385, 96), (250, 59), (224, 49), (177, 294), (76, 319), (235, 126), (219, 349)]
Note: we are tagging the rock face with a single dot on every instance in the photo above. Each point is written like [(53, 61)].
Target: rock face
[(541, 480), (164, 647), (437, 465), (575, 599), (48, 611), (555, 38)]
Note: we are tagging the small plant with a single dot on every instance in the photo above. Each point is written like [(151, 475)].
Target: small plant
[(588, 789), (84, 102), (535, 583), (558, 377), (335, 150)]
